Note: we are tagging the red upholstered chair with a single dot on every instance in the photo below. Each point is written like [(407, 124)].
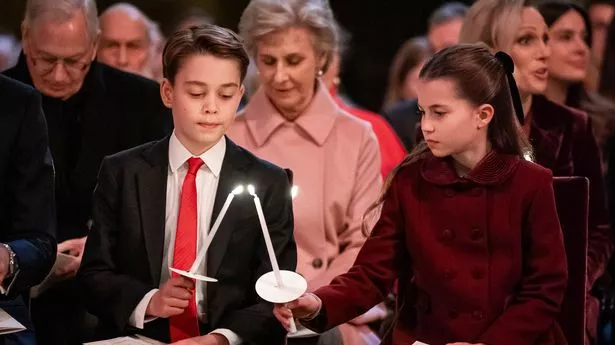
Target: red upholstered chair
[(572, 201)]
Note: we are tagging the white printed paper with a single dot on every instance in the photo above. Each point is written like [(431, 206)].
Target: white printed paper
[(8, 324)]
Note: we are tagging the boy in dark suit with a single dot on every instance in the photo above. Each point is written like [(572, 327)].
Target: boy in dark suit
[(155, 203)]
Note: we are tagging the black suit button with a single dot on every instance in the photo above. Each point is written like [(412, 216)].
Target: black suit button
[(449, 192), (453, 314), (317, 263)]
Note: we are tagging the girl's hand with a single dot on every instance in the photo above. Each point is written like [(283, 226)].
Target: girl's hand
[(303, 307)]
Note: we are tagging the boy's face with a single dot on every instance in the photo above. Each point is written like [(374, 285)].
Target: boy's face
[(203, 98)]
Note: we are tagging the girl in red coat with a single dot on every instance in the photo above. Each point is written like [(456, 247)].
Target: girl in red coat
[(467, 226)]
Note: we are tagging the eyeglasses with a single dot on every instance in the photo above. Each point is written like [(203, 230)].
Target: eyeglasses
[(45, 65)]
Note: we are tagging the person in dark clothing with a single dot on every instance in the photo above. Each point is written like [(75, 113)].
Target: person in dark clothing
[(404, 118), (27, 210), (92, 111)]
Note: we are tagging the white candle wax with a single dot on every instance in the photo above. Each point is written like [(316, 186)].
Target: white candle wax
[(270, 251), (201, 255), (293, 326)]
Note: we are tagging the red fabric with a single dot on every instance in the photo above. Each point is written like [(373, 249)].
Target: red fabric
[(572, 201), (392, 151), (563, 141), (186, 324), (484, 253)]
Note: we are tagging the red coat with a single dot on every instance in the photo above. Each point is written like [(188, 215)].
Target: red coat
[(485, 254), (564, 142)]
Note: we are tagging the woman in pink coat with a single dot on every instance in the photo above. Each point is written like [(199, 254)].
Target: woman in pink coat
[(293, 121)]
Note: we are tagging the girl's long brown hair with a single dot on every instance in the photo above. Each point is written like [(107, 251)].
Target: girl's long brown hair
[(480, 78)]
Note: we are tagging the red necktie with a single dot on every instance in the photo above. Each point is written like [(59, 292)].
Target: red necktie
[(186, 324)]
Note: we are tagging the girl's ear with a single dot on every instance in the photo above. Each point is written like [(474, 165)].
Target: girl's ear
[(484, 114)]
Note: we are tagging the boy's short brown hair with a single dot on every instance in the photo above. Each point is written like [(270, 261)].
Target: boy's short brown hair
[(204, 39)]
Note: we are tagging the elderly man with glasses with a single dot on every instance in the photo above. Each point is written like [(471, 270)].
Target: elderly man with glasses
[(92, 110)]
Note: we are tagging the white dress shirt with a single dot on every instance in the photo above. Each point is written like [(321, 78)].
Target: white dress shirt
[(207, 178)]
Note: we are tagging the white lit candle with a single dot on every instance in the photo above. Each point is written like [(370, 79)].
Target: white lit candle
[(261, 218), (201, 255), (272, 258)]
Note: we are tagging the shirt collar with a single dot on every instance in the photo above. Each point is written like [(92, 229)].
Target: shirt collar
[(213, 158), (318, 119)]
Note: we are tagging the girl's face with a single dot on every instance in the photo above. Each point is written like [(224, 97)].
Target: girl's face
[(451, 125), (530, 51)]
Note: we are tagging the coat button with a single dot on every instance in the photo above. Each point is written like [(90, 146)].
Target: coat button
[(476, 234), (478, 273), (453, 314), (449, 192), (477, 191), (317, 263), (449, 274), (446, 236), (478, 315)]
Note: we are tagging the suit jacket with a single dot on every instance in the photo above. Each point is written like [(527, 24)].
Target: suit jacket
[(123, 255), (404, 119), (113, 111), (27, 211), (485, 254), (563, 141)]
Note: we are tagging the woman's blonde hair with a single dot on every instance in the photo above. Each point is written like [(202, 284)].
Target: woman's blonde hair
[(263, 17), (493, 22)]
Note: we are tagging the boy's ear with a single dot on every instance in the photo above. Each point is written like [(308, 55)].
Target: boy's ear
[(166, 93)]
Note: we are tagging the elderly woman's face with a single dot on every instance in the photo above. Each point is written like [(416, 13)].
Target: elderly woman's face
[(288, 65)]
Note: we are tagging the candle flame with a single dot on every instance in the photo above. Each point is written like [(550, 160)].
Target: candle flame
[(238, 190), (294, 191), (251, 190)]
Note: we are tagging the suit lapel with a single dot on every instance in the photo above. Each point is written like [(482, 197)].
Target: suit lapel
[(232, 174), (152, 191)]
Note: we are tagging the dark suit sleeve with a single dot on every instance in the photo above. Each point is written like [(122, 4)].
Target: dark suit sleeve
[(30, 196), (541, 289), (256, 323), (109, 294)]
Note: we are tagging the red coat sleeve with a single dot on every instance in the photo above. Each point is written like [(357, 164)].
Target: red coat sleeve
[(371, 277), (541, 289)]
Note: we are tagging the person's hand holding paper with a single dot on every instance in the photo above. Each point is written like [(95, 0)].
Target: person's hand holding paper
[(73, 248)]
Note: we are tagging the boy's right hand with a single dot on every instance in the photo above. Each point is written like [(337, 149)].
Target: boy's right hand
[(172, 298), (304, 307)]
